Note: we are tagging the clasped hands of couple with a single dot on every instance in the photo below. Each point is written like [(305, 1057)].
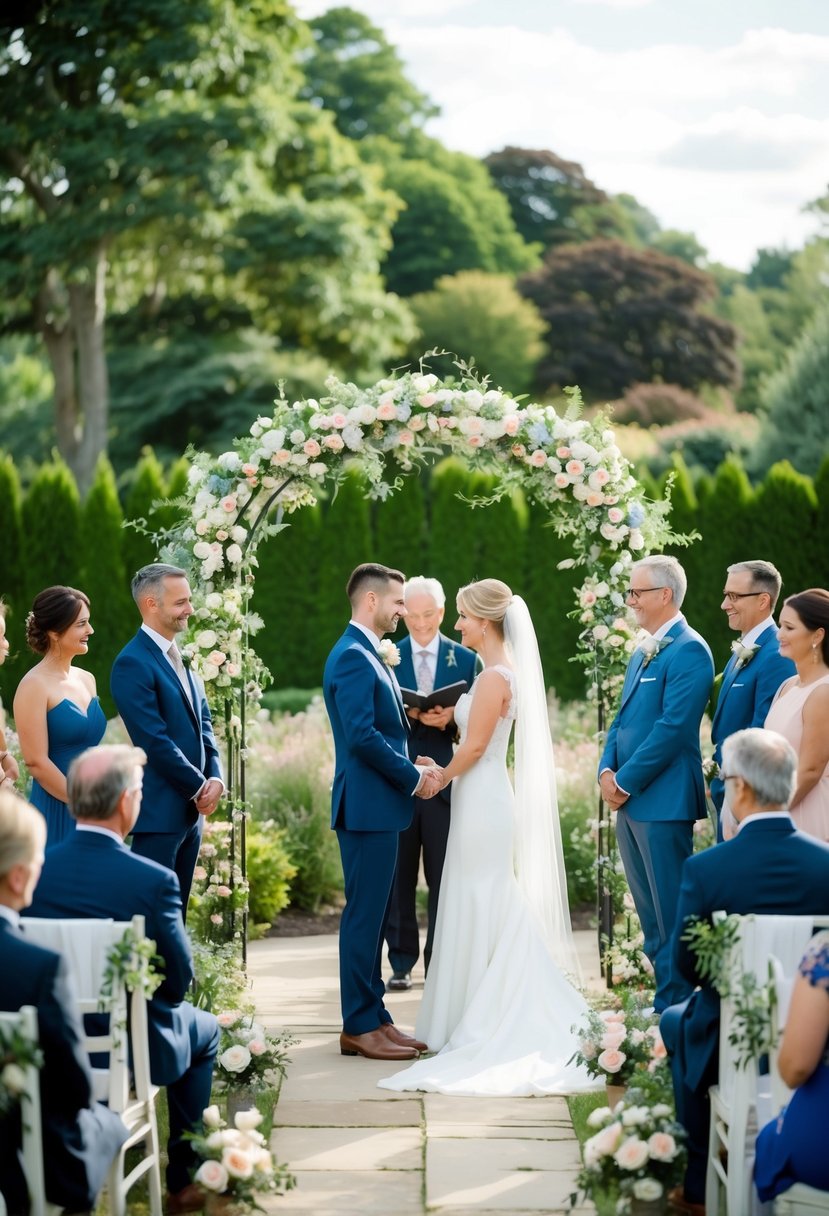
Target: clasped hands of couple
[(432, 780)]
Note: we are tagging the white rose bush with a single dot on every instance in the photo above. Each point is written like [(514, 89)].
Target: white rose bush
[(636, 1153), (249, 1056), (236, 1161)]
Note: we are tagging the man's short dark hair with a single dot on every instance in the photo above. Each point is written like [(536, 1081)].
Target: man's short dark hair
[(764, 577), (371, 576), (149, 580)]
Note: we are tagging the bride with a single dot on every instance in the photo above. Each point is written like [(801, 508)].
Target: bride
[(497, 1006)]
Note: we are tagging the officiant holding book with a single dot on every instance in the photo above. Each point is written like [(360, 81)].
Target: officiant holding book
[(428, 662)]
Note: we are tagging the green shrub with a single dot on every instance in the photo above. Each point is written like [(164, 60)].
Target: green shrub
[(289, 700), (269, 871)]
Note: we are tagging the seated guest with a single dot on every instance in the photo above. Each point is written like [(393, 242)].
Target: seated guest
[(792, 1148), (80, 1136), (768, 868), (93, 874)]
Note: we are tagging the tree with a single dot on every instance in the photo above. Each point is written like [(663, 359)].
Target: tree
[(104, 578), (289, 643), (545, 193), (146, 490), (617, 315), (725, 521), (482, 317), (454, 217), (682, 245), (196, 129), (453, 528), (51, 516), (783, 524), (796, 399), (550, 596), (502, 536), (353, 71), (344, 543), (400, 528)]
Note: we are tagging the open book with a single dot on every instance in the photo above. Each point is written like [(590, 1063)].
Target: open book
[(446, 696)]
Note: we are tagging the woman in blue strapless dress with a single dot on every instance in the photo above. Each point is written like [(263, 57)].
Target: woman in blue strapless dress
[(56, 711), (792, 1148)]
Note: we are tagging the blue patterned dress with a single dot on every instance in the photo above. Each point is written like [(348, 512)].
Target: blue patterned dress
[(792, 1148), (71, 730)]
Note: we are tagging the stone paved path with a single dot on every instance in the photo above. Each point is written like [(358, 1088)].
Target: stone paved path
[(358, 1149)]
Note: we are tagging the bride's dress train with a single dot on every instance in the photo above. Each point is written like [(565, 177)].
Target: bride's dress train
[(496, 1007)]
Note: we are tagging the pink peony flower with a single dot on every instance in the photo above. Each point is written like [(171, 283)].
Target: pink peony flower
[(238, 1163), (405, 439), (339, 421), (519, 450), (311, 447), (249, 470), (615, 515), (216, 657), (475, 441), (281, 457), (200, 873), (334, 442), (257, 1048), (213, 1176), (563, 453), (224, 892), (632, 1154), (387, 411), (427, 400), (538, 459), (229, 504), (574, 467), (662, 1146), (562, 480), (216, 918), (511, 424), (613, 1038)]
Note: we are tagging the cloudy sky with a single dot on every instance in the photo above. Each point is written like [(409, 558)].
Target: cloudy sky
[(713, 113)]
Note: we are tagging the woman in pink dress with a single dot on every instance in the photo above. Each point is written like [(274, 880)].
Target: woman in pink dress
[(800, 709)]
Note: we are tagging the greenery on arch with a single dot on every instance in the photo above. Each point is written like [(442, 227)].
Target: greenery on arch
[(568, 464)]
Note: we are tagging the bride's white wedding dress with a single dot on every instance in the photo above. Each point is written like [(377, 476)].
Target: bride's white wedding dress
[(496, 1008)]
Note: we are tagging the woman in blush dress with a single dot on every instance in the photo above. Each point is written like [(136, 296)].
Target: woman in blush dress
[(792, 1148), (56, 711), (497, 1006), (800, 709)]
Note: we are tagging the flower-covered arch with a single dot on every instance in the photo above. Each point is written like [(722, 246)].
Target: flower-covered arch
[(569, 464)]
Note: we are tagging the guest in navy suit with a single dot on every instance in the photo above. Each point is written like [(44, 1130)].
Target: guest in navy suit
[(650, 772), (428, 660), (80, 1136), (371, 803), (93, 874), (768, 868), (756, 669), (165, 712)]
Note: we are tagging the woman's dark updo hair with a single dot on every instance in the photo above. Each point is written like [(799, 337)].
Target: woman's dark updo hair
[(53, 611), (812, 607)]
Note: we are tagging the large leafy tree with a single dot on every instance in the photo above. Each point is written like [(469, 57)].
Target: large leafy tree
[(152, 152), (618, 315), (796, 399), (547, 195), (352, 70)]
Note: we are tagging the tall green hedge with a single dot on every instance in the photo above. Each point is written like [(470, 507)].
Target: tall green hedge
[(12, 575), (345, 542), (287, 585), (147, 488)]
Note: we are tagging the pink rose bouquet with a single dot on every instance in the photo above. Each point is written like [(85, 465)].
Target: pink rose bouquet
[(249, 1056), (236, 1161), (616, 1045)]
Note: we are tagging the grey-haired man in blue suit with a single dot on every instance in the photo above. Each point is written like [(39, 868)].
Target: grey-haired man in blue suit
[(650, 772)]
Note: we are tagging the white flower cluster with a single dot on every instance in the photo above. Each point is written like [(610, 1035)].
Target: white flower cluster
[(239, 1155), (637, 1149), (248, 1055)]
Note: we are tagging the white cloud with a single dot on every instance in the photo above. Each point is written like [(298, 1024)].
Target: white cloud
[(378, 10), (616, 3)]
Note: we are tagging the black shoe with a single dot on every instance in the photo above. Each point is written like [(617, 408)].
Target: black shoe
[(401, 981)]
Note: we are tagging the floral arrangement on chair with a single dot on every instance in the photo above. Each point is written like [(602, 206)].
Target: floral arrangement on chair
[(17, 1053), (249, 1057), (236, 1163), (636, 1152), (617, 1045)]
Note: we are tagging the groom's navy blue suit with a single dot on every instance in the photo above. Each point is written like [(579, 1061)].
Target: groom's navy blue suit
[(768, 868), (746, 692), (93, 875), (371, 803), (177, 736), (80, 1136), (653, 748)]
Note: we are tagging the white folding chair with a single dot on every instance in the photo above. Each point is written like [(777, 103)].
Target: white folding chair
[(24, 1022), (85, 945), (798, 1200), (740, 1101)]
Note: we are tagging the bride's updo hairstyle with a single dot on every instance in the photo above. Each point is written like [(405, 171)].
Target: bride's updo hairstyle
[(487, 599), (53, 611)]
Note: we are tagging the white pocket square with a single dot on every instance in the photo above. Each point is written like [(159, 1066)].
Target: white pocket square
[(736, 685), (647, 679)]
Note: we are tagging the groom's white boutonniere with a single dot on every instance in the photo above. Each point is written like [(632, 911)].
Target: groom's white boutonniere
[(744, 653), (451, 661), (651, 646), (389, 653)]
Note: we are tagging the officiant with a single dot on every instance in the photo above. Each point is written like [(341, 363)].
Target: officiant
[(429, 661)]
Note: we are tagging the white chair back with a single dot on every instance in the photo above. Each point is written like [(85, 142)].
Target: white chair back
[(24, 1022), (85, 944), (738, 1101)]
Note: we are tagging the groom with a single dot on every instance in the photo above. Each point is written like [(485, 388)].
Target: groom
[(371, 803)]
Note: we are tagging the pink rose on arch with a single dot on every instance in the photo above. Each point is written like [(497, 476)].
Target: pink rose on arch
[(444, 422), (249, 470), (200, 873), (511, 424), (216, 918), (594, 499), (563, 453), (611, 1060), (221, 534), (224, 892), (281, 457), (538, 459), (311, 447), (574, 467), (562, 480), (427, 400), (339, 421), (202, 526), (475, 441), (519, 450), (229, 504), (615, 515), (405, 439), (216, 657), (387, 411), (588, 598), (334, 442)]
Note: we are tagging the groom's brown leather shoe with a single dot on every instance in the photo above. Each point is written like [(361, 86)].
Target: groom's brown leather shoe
[(403, 1039), (375, 1045)]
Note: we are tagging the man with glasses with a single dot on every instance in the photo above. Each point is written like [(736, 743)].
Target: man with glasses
[(756, 669), (650, 772), (769, 868)]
